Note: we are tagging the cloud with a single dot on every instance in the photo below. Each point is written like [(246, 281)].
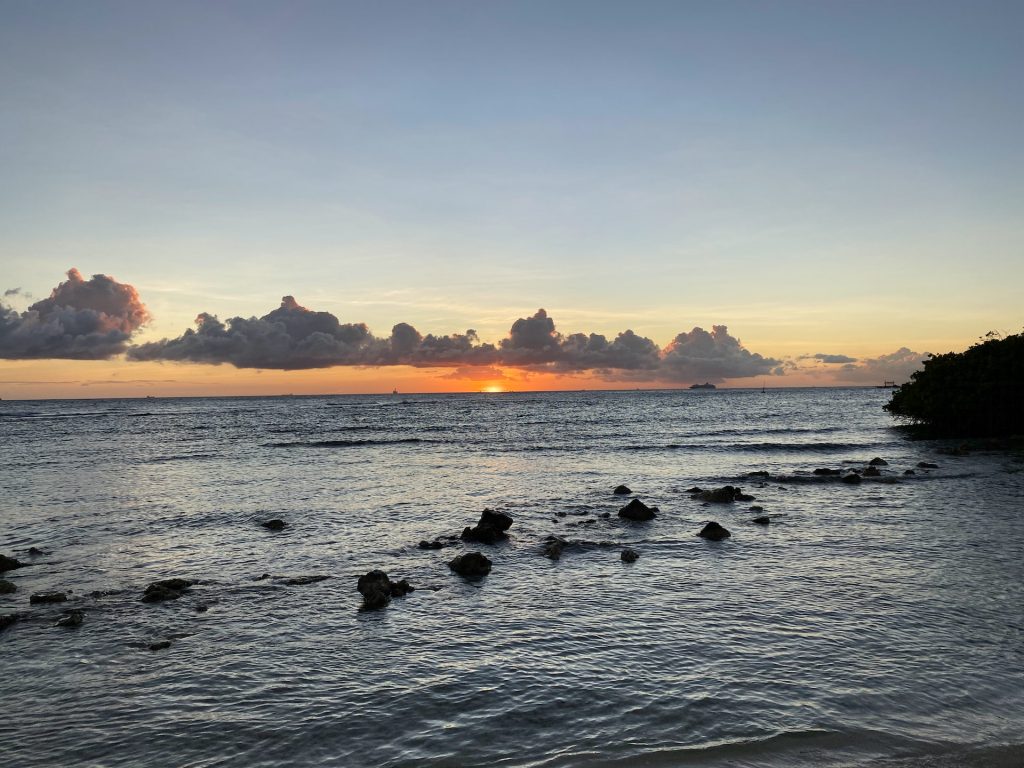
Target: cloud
[(831, 359), (478, 373), (14, 292), (896, 366), (81, 320), (713, 356), (293, 337)]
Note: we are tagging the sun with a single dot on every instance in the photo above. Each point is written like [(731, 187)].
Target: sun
[(492, 388)]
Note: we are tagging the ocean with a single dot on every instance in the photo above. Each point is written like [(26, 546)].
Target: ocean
[(871, 624)]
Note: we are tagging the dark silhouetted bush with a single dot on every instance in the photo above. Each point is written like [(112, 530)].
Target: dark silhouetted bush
[(976, 393)]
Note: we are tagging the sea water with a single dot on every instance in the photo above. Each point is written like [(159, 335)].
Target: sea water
[(865, 624)]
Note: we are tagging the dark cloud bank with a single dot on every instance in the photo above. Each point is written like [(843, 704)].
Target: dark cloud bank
[(81, 320), (95, 319), (293, 337)]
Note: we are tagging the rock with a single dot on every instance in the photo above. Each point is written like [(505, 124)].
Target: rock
[(909, 472), (262, 577), (605, 515), (274, 525), (35, 552), (826, 471), (73, 619), (714, 532), (6, 619), (435, 544), (851, 479), (43, 598), (877, 462), (637, 511), (757, 508), (202, 608), (161, 646), (471, 565), (490, 529), (927, 465), (725, 495), (695, 489), (762, 520), (759, 473), (629, 555), (377, 590), (9, 563), (872, 472), (168, 589), (7, 588), (553, 546), (621, 491)]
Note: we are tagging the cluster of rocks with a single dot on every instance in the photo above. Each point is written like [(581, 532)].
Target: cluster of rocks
[(377, 589), (167, 589)]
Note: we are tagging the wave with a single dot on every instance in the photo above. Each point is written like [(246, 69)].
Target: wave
[(343, 443)]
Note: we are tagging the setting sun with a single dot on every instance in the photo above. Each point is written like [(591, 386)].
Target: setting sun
[(492, 388)]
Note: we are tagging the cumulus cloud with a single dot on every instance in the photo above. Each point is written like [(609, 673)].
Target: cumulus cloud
[(81, 320), (832, 359), (896, 366), (293, 337), (13, 292)]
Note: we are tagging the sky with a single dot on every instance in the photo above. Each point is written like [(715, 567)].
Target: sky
[(305, 197)]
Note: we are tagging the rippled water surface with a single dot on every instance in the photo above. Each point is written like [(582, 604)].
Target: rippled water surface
[(867, 623)]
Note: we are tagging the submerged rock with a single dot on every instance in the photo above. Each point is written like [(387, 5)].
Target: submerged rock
[(851, 479), (73, 619), (872, 472), (490, 529), (298, 581), (7, 619), (471, 565), (725, 495), (621, 490), (927, 465), (35, 552), (167, 589), (758, 473), (553, 547), (43, 598), (714, 532), (826, 471), (909, 472), (695, 489), (377, 589), (637, 511), (629, 555), (756, 508), (762, 520), (274, 525), (7, 587), (160, 646), (9, 563), (878, 462)]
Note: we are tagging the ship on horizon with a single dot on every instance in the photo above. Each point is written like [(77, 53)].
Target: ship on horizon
[(705, 385)]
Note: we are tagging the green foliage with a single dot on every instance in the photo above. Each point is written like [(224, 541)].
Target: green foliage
[(976, 393)]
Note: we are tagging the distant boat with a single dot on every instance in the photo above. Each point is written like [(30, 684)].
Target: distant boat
[(887, 385), (394, 391), (705, 385), (762, 387)]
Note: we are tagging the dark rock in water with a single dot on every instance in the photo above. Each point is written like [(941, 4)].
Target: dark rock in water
[(490, 529), (695, 489), (878, 462), (73, 619), (851, 479), (605, 515), (35, 552), (377, 590), (168, 589), (637, 511), (826, 471), (435, 544), (759, 473), (757, 508), (6, 587), (298, 581), (9, 563), (927, 465), (471, 565), (725, 495), (161, 646), (714, 532), (274, 525), (872, 472), (909, 472), (202, 608), (553, 546), (7, 619), (629, 555), (42, 598), (262, 577), (621, 491), (762, 520)]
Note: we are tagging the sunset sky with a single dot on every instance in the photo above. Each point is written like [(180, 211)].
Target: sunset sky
[(827, 191)]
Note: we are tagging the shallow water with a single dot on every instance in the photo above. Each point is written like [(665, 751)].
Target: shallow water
[(867, 623)]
